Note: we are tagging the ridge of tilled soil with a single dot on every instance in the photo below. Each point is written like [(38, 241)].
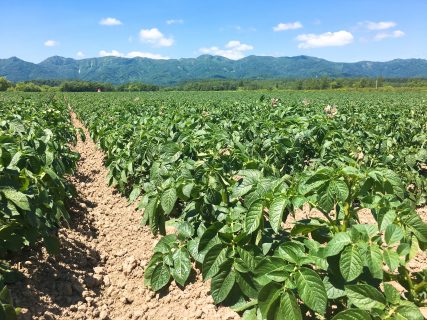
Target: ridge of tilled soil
[(99, 271)]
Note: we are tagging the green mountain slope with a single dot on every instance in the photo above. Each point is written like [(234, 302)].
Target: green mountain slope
[(163, 72)]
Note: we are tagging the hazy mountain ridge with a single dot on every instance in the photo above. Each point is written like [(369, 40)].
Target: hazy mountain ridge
[(121, 70)]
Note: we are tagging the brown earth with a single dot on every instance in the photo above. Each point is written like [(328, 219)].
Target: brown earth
[(99, 271)]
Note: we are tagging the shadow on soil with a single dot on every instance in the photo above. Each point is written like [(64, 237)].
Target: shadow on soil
[(52, 282)]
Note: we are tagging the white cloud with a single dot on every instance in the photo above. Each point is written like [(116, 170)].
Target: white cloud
[(110, 22), (134, 54), (174, 21), (131, 54), (112, 53), (327, 39), (80, 54), (51, 43), (288, 26), (155, 37), (233, 50), (381, 25), (393, 34)]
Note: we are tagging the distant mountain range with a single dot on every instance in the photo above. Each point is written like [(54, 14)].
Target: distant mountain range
[(166, 72)]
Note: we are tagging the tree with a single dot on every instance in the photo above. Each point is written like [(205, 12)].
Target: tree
[(27, 87), (5, 84)]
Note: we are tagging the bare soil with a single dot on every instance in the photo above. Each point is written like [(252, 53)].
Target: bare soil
[(99, 271)]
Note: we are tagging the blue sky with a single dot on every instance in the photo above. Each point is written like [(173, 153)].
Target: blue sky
[(344, 30)]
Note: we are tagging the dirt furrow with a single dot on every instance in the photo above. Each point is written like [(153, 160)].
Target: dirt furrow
[(99, 271)]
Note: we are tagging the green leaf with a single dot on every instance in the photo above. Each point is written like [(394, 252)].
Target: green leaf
[(338, 190), (241, 306), (291, 251), (214, 258), (393, 234), (326, 203), (269, 264), (365, 296), (268, 296), (289, 308), (304, 227), (5, 296), (247, 285), (160, 277), (332, 291), (391, 294), (247, 257), (150, 211), (165, 244), (7, 312), (134, 194), (391, 258), (374, 258), (250, 314), (351, 263), (182, 266), (315, 182), (254, 216), (408, 313), (338, 242), (386, 219), (209, 235), (311, 290), (222, 283), (155, 260), (185, 229), (49, 157), (352, 314), (275, 213), (417, 226), (186, 190), (168, 200), (18, 198)]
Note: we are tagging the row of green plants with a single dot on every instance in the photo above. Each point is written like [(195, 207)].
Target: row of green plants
[(231, 174), (35, 158)]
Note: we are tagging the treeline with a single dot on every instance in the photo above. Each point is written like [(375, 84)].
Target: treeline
[(322, 83), (72, 86)]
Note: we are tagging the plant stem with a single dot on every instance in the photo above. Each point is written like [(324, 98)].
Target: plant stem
[(346, 216), (420, 286), (410, 285)]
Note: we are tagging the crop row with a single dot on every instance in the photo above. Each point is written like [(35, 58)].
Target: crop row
[(232, 172), (35, 133)]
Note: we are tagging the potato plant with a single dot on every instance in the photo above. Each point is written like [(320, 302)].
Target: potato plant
[(35, 157), (232, 173)]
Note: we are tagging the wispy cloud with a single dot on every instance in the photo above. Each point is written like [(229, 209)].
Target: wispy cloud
[(51, 43), (112, 53), (288, 26), (233, 50), (140, 54), (380, 25), (110, 22), (327, 39), (393, 34), (154, 37), (80, 54), (131, 54), (174, 21)]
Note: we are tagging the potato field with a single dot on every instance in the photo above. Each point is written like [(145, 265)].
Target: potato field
[(307, 205)]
